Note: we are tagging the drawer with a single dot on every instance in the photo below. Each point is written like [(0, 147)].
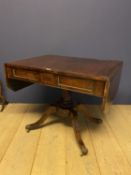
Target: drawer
[(49, 78), (25, 74), (77, 83), (88, 86)]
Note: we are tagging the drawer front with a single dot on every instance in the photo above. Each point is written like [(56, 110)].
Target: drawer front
[(25, 74), (87, 86), (49, 78), (77, 83), (93, 87)]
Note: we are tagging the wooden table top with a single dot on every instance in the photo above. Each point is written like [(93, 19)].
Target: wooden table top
[(71, 65)]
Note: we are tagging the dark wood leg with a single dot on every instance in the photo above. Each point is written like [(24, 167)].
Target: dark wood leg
[(76, 128), (96, 120), (3, 103), (95, 112), (66, 102), (38, 124), (2, 99)]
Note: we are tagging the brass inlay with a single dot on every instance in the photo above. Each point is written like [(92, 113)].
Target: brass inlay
[(15, 75)]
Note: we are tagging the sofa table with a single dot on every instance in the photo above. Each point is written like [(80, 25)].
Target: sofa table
[(90, 76)]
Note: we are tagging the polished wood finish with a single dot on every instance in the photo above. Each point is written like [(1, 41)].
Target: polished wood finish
[(89, 76)]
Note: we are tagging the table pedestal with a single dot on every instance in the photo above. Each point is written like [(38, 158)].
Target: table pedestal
[(66, 103)]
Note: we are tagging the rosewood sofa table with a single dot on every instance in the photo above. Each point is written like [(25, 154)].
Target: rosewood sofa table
[(84, 75)]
